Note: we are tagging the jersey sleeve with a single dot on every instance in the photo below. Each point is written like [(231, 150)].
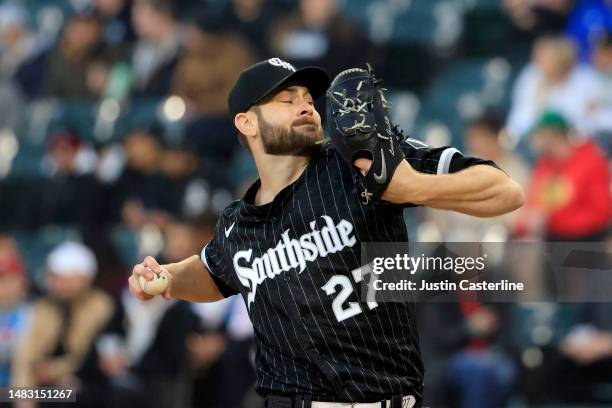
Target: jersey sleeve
[(219, 265), (438, 160)]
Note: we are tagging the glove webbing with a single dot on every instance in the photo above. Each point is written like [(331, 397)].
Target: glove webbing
[(367, 130)]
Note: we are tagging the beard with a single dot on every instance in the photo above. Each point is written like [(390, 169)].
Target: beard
[(299, 139)]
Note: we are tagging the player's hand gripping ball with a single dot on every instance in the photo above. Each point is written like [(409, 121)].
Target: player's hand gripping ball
[(359, 127), (158, 285)]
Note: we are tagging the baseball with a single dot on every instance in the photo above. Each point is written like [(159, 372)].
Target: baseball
[(158, 285)]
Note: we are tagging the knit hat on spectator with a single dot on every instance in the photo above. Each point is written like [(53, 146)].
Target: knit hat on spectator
[(72, 259), (552, 120)]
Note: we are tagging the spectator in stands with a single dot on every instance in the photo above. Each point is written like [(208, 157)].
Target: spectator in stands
[(184, 236), (203, 134), (467, 358), (68, 153), (568, 200), (80, 65), (137, 195), (483, 138), (186, 191), (116, 16), (222, 356), (569, 197), (157, 50), (554, 81), (23, 52), (587, 348), (587, 22), (14, 309), (213, 59), (65, 322), (70, 193), (21, 64), (253, 19), (468, 361), (319, 34), (538, 17), (192, 186), (144, 352), (214, 56)]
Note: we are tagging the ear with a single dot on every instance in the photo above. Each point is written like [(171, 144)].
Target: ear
[(246, 123)]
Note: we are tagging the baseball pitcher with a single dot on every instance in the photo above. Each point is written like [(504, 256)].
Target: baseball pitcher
[(290, 247)]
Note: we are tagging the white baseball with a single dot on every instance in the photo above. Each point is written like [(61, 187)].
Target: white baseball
[(158, 285)]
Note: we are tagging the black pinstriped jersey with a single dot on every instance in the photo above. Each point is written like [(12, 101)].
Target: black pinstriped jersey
[(291, 261)]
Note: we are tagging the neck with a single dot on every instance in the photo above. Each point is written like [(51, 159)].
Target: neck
[(563, 151), (276, 173)]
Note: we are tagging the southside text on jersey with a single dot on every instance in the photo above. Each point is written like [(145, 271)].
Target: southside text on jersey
[(291, 253)]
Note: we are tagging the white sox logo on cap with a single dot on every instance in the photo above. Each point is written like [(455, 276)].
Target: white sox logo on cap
[(277, 62)]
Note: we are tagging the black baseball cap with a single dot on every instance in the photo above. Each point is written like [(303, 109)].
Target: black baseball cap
[(261, 79)]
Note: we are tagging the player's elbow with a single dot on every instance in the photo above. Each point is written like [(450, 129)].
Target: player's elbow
[(514, 195), (510, 197)]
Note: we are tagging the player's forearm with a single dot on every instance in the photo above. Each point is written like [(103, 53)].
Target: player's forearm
[(492, 207), (482, 191), (191, 281)]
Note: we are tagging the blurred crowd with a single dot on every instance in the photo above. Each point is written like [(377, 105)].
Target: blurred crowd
[(115, 143)]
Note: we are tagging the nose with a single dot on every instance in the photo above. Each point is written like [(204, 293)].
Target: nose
[(306, 108)]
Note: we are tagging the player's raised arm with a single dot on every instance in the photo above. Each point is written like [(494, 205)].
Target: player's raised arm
[(189, 280), (481, 190), (362, 134)]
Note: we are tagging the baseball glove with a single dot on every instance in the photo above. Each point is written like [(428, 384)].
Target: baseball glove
[(359, 127)]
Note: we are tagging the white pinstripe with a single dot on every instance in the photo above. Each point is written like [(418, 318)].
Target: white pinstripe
[(358, 262), (310, 308), (346, 270), (290, 322), (317, 289), (276, 373), (408, 317)]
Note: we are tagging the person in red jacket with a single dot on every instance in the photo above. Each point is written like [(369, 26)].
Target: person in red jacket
[(569, 198)]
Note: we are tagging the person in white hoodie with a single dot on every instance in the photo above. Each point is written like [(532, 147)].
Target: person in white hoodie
[(555, 81)]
